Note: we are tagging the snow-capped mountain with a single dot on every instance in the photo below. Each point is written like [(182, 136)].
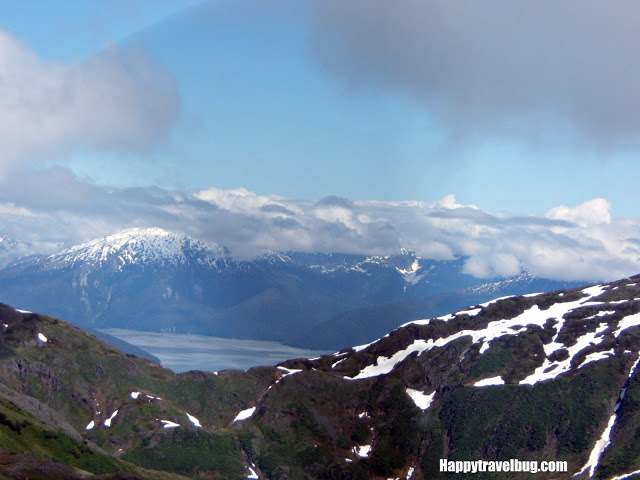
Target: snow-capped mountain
[(12, 250), (140, 246), (152, 279), (407, 264), (550, 372)]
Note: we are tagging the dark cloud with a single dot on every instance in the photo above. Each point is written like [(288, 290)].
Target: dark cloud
[(334, 201), (52, 189), (285, 223), (496, 66), (274, 208)]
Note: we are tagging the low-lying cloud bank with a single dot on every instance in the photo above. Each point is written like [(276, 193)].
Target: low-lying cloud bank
[(580, 242)]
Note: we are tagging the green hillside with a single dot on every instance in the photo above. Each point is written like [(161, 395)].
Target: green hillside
[(534, 378)]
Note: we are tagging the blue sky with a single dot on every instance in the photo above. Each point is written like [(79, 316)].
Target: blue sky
[(261, 108), (518, 110)]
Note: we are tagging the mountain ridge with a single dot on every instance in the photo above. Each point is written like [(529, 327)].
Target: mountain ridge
[(152, 279), (550, 376), (138, 246)]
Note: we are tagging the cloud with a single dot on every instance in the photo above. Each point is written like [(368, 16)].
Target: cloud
[(242, 200), (10, 209), (593, 212), (273, 208), (582, 242), (335, 201), (114, 100), (494, 264), (497, 66)]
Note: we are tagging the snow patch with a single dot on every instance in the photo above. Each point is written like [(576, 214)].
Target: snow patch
[(90, 425), (338, 362), (602, 443), (194, 420), (601, 314), (595, 290), (135, 395), (244, 414), (384, 365), (550, 370), (362, 451), (627, 322), (421, 400), (252, 473), (499, 328), (169, 424), (359, 348), (625, 475), (415, 266), (489, 382), (42, 338), (410, 274), (289, 371), (596, 356), (107, 422)]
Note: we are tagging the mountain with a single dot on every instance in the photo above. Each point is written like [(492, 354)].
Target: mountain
[(522, 380), (362, 325), (148, 247), (12, 250), (154, 280)]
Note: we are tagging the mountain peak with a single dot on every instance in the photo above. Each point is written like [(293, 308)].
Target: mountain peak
[(141, 246), (12, 249)]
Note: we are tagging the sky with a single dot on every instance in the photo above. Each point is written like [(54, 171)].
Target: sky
[(504, 132)]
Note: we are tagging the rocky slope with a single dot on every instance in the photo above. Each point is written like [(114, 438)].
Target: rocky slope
[(548, 377)]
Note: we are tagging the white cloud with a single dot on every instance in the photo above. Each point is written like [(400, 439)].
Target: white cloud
[(581, 242), (492, 265), (10, 208), (239, 200), (588, 213), (338, 214), (114, 100)]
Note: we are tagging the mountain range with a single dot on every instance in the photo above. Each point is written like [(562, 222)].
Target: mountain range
[(533, 378), (155, 280)]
